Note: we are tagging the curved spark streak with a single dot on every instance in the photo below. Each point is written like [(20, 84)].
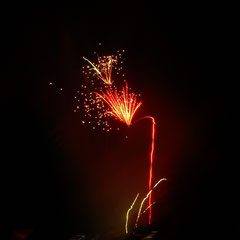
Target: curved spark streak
[(126, 225), (107, 70), (149, 193), (122, 107), (148, 207)]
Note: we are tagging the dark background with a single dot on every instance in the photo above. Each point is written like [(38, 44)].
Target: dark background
[(60, 177)]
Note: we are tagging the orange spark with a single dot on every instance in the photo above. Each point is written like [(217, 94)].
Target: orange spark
[(123, 106)]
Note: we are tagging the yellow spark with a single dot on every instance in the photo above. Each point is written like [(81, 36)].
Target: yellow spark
[(126, 225), (106, 68), (94, 67), (140, 208), (148, 207)]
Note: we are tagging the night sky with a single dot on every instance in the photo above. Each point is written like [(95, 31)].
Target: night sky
[(61, 177)]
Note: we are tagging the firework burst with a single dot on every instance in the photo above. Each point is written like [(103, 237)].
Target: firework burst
[(123, 106), (104, 66)]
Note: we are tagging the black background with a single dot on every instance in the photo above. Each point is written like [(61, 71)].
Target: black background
[(62, 178)]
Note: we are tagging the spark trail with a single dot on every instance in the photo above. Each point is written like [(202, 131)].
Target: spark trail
[(128, 211), (149, 193)]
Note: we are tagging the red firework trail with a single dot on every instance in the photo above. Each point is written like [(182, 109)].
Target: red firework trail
[(151, 169), (124, 107)]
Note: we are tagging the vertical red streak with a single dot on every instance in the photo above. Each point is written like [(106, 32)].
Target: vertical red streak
[(150, 172), (151, 169)]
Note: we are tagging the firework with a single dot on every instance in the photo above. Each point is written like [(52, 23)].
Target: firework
[(147, 196), (104, 100), (104, 66), (105, 75), (128, 211), (123, 106)]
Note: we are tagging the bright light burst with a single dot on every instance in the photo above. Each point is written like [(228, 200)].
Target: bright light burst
[(123, 106)]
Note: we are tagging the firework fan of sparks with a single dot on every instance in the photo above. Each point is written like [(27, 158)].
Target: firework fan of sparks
[(102, 69), (94, 108), (123, 106)]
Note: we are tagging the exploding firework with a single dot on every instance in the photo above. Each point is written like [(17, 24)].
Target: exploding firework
[(106, 73), (123, 106), (104, 66), (95, 107), (90, 106)]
